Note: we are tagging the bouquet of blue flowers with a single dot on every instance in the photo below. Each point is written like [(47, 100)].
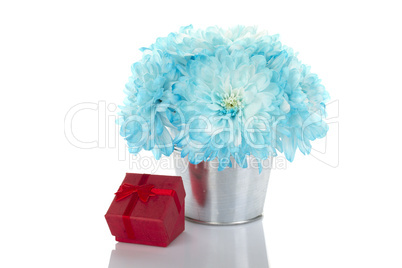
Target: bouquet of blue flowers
[(222, 94)]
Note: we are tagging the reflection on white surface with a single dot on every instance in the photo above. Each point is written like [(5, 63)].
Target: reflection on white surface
[(203, 246)]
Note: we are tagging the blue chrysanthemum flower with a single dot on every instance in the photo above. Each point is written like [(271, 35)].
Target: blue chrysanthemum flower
[(304, 101), (225, 101), (222, 93), (144, 120)]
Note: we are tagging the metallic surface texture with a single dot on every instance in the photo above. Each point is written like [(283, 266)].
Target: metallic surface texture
[(232, 196)]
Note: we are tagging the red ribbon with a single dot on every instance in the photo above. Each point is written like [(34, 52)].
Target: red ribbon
[(144, 191)]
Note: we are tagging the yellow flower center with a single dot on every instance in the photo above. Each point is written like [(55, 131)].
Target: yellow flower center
[(231, 101)]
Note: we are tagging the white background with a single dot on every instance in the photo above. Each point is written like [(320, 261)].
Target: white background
[(341, 207)]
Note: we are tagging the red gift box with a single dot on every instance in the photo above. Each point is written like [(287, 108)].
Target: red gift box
[(147, 209)]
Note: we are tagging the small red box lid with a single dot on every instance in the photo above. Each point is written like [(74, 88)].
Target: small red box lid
[(156, 221)]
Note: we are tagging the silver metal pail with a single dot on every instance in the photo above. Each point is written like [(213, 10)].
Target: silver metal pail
[(232, 196)]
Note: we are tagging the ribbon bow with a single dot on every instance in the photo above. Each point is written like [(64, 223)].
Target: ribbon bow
[(143, 191)]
